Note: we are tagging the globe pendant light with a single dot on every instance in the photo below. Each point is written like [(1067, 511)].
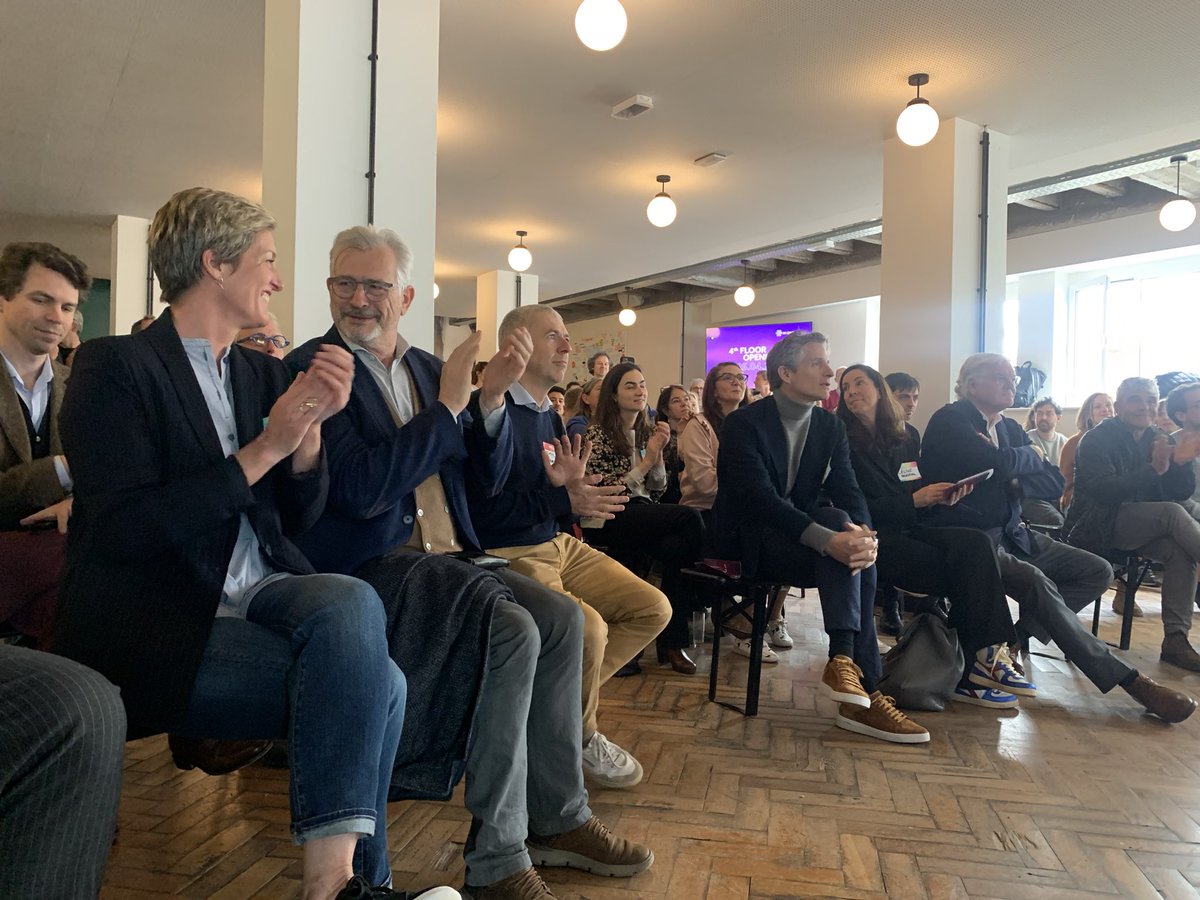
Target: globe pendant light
[(661, 209), (519, 257), (628, 315), (1179, 213), (918, 122), (744, 295), (600, 24), (436, 290)]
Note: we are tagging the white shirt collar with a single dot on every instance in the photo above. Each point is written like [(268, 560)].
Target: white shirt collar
[(401, 347), (522, 397), (43, 379)]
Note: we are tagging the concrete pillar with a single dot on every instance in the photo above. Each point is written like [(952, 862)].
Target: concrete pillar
[(930, 306), (496, 293), (316, 115), (129, 260)]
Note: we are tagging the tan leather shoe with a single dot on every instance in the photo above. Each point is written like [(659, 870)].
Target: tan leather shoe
[(524, 885), (590, 848), (1169, 705), (842, 681), (1178, 652)]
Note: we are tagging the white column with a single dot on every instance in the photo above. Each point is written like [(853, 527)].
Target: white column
[(496, 294), (129, 261), (316, 115), (929, 311)]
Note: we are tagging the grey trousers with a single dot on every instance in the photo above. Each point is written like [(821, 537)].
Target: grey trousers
[(525, 769), (1051, 586), (62, 740), (1167, 533)]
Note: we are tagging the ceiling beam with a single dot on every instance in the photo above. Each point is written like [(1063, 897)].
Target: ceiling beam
[(802, 257), (1045, 204), (1164, 180), (841, 248), (1110, 189), (763, 265), (876, 239), (714, 282)]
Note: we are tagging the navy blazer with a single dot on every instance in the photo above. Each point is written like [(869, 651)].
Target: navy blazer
[(375, 466), (752, 476), (157, 511), (956, 446)]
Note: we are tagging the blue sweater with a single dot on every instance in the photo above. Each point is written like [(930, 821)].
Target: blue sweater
[(527, 509)]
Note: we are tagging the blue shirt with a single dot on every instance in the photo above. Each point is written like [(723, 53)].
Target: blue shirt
[(248, 569)]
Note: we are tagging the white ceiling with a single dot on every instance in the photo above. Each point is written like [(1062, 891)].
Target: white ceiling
[(109, 107)]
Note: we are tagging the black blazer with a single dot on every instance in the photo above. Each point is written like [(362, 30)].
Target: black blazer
[(157, 506), (752, 479), (878, 472), (374, 466)]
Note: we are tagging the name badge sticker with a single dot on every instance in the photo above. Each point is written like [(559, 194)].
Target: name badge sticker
[(548, 449), (909, 472)]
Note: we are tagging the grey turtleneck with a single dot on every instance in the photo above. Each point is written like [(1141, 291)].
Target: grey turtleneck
[(796, 418)]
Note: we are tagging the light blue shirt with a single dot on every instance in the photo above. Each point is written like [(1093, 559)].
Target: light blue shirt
[(522, 397), (37, 401), (248, 569), (396, 384)]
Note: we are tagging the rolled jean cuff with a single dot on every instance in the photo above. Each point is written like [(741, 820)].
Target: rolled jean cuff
[(360, 822)]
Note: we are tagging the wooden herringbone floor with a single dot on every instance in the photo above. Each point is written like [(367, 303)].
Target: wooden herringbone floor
[(1075, 795)]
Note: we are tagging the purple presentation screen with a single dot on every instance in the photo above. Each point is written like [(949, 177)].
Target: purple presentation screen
[(746, 345)]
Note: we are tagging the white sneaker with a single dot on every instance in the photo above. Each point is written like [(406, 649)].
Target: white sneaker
[(742, 648), (608, 765), (777, 635)]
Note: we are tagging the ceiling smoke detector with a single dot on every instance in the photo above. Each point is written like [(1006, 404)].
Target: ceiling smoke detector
[(710, 159), (632, 107)]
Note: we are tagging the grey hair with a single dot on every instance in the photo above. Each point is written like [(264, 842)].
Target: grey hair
[(368, 237), (1137, 384), (975, 365), (787, 353), (199, 219), (522, 317)]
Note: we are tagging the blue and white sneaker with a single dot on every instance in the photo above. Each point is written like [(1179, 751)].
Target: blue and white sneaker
[(984, 697), (997, 671)]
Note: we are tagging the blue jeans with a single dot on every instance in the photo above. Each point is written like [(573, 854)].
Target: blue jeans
[(310, 663)]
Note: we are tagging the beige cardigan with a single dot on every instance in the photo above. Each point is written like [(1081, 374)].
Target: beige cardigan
[(698, 450)]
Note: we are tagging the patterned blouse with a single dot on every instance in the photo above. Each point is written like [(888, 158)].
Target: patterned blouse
[(617, 468)]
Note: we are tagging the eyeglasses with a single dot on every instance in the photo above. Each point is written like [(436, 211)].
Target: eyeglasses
[(1012, 381), (732, 376), (263, 339), (345, 287)]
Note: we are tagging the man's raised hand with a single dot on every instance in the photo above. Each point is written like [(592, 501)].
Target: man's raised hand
[(454, 391), (506, 367)]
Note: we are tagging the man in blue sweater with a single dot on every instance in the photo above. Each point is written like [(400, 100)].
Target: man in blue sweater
[(545, 486), (398, 455)]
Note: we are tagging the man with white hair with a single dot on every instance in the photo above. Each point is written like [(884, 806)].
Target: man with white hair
[(1130, 479), (1051, 581)]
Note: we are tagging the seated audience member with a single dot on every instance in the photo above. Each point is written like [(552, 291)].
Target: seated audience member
[(268, 340), (779, 457), (40, 287), (1130, 480), (957, 563), (696, 389), (724, 391), (1040, 426), (1163, 418), (143, 322), (627, 452), (547, 484), (181, 585), (830, 403), (1095, 409), (558, 401), (62, 744), (580, 415), (1050, 581), (762, 386), (673, 409), (477, 372), (906, 390), (599, 364), (397, 495), (1183, 404), (572, 384), (71, 339)]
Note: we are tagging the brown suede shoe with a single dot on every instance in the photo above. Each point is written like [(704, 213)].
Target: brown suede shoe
[(842, 681), (1170, 706), (1178, 652), (882, 721), (590, 848), (215, 757), (525, 885)]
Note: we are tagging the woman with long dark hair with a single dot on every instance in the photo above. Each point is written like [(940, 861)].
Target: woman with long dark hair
[(957, 563), (628, 450), (673, 408)]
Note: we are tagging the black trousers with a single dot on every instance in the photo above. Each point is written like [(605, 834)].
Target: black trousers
[(959, 564), (672, 535)]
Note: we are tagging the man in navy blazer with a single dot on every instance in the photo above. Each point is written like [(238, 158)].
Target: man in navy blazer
[(779, 459), (1051, 581), (398, 455)]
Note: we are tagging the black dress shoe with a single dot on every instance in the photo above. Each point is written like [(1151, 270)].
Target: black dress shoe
[(677, 659), (215, 757), (633, 667), (889, 617), (358, 888)]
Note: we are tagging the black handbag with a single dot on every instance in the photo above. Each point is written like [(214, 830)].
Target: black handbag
[(926, 665)]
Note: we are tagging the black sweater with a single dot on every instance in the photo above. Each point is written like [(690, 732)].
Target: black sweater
[(878, 472)]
